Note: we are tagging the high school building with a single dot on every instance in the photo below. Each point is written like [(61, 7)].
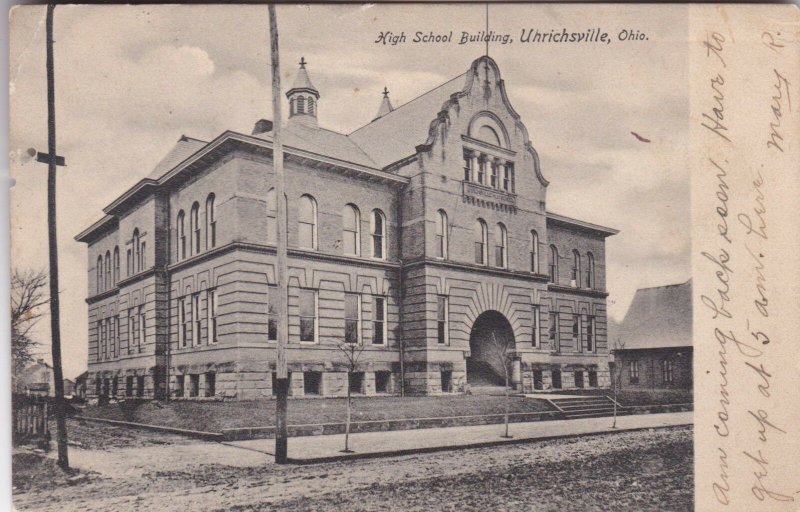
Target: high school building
[(423, 236)]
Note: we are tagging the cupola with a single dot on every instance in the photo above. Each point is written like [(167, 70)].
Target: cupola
[(303, 97), (386, 105)]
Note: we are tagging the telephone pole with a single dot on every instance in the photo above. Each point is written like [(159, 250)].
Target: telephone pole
[(52, 160), (282, 377)]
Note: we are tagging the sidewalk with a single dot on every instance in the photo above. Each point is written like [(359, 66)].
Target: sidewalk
[(402, 442)]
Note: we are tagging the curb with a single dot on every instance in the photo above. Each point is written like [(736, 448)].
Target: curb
[(468, 446), (197, 434)]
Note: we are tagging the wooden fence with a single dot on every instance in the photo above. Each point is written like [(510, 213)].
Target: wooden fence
[(30, 417)]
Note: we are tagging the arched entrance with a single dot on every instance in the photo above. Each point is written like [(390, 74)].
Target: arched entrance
[(490, 334)]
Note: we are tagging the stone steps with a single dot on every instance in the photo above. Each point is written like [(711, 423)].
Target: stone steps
[(586, 406)]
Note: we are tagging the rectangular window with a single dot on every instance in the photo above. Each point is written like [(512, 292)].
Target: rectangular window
[(272, 314), (129, 385), (535, 327), (467, 166), (140, 386), (590, 334), (494, 182), (499, 256), (312, 383), (379, 320), (180, 383), (555, 342), (668, 371), (112, 335), (129, 267), (136, 331), (99, 340), (633, 370), (556, 377), (382, 380), (352, 317), (114, 386), (447, 381), (355, 381), (197, 329), (183, 323), (211, 309), (142, 258), (538, 383), (131, 330), (481, 169), (577, 327), (579, 379), (142, 330), (211, 384), (592, 378), (441, 319), (194, 385), (308, 315)]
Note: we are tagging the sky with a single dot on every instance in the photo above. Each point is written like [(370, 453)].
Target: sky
[(130, 80)]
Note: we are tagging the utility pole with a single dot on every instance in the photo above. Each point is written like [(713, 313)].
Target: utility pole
[(52, 161), (282, 377)]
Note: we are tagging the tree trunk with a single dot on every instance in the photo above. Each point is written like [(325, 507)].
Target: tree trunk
[(347, 419), (506, 406)]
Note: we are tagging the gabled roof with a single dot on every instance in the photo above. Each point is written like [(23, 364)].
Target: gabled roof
[(659, 317), (185, 147), (396, 134)]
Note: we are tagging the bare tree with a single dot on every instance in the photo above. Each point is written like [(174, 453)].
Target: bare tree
[(616, 376), (27, 298), (352, 353), (502, 353)]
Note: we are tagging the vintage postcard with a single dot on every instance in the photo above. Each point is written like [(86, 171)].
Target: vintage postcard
[(405, 257)]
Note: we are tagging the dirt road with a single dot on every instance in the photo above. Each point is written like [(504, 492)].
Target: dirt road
[(644, 470)]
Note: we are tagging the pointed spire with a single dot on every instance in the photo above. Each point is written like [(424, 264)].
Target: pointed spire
[(302, 82), (386, 105)]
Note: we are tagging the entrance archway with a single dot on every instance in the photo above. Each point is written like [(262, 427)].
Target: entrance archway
[(485, 363)]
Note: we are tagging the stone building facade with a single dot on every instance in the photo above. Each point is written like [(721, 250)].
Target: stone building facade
[(422, 236)]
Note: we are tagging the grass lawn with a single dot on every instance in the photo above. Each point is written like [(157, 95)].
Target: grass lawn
[(215, 416), (640, 397)]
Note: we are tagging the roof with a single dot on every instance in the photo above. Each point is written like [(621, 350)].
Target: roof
[(581, 224), (322, 142), (659, 317), (184, 148), (396, 134)]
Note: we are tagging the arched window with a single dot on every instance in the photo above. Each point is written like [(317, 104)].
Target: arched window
[(194, 226), (576, 268), (301, 104), (351, 227), (272, 217), (501, 243), (181, 237), (116, 265), (481, 242), (211, 222), (137, 256), (99, 272), (378, 235), (107, 285), (590, 270), (553, 264), (307, 222), (291, 106), (534, 251), (311, 106), (442, 241)]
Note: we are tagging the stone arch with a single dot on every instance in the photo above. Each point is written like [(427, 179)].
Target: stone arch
[(491, 332), (488, 120)]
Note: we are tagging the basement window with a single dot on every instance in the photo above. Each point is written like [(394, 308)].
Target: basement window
[(312, 383), (382, 381), (355, 380)]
